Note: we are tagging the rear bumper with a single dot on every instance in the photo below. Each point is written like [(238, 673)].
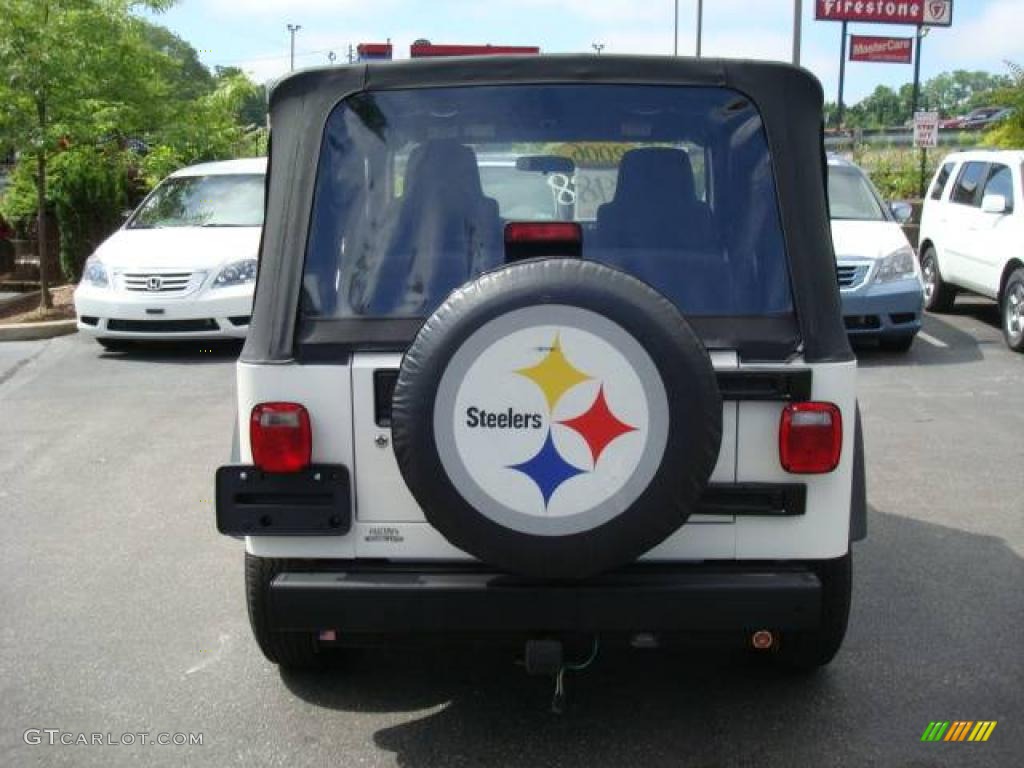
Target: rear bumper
[(685, 598), (885, 309)]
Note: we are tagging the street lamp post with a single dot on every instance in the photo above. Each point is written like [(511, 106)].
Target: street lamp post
[(598, 47), (700, 24), (292, 29), (675, 30), (798, 13)]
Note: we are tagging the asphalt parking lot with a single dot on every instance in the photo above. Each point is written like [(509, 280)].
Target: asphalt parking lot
[(123, 609)]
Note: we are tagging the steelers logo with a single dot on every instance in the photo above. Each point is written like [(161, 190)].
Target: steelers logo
[(551, 420)]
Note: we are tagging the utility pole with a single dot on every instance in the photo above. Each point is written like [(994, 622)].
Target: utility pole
[(292, 29), (675, 36), (798, 17), (598, 47), (842, 78), (921, 32), (700, 24)]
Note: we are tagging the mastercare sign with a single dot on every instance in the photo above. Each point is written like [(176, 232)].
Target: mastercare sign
[(551, 420), (891, 50), (929, 13)]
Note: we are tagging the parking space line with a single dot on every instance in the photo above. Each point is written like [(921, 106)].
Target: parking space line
[(932, 340)]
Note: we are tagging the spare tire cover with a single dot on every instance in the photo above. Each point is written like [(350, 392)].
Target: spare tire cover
[(556, 418)]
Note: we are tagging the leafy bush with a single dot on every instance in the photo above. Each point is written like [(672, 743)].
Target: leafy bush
[(896, 171), (1009, 133), (18, 203), (89, 189)]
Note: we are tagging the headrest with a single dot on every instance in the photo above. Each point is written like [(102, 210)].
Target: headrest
[(443, 167), (661, 172)]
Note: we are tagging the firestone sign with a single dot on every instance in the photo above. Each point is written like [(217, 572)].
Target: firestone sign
[(893, 50), (929, 13)]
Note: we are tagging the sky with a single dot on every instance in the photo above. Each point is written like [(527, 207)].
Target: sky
[(252, 34)]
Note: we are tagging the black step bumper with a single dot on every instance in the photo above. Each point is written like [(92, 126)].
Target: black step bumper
[(681, 599)]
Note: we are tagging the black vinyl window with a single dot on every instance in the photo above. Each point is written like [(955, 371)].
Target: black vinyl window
[(673, 184)]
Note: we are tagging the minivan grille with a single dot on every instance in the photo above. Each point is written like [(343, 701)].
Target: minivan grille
[(851, 275), (157, 282), (162, 326)]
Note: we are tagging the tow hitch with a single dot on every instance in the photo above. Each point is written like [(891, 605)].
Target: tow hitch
[(546, 658)]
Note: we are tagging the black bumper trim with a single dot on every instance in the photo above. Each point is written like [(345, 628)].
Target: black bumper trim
[(754, 499), (792, 385), (253, 503), (695, 598)]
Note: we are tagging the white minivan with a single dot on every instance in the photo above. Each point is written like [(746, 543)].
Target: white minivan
[(972, 235), (183, 266)]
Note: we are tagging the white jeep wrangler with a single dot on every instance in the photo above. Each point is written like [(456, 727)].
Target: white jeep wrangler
[(547, 348)]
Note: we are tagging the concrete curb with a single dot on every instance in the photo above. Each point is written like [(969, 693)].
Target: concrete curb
[(37, 331)]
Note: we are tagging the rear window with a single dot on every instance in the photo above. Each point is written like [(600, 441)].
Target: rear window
[(672, 184)]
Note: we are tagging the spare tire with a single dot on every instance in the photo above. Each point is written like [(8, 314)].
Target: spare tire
[(556, 418)]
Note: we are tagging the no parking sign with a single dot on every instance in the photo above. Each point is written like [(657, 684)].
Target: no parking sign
[(926, 129)]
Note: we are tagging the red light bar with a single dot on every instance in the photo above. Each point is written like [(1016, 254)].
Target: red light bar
[(381, 51), (543, 232), (425, 50)]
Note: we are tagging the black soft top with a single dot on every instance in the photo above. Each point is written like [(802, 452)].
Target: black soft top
[(788, 98)]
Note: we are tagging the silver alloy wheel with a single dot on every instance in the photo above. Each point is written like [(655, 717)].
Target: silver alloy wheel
[(1013, 312), (929, 272)]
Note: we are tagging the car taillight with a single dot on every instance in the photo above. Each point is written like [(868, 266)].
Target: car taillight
[(280, 436), (810, 438)]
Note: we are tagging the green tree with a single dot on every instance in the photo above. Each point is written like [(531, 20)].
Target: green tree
[(253, 109), (73, 69), (1009, 133), (186, 74)]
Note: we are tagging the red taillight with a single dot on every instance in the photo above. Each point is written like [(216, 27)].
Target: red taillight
[(543, 232), (281, 438), (810, 438)]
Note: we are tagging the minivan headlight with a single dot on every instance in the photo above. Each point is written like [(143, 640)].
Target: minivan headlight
[(95, 274), (236, 273), (896, 266)]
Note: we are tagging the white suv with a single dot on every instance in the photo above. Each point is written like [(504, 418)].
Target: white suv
[(628, 413), (972, 235)]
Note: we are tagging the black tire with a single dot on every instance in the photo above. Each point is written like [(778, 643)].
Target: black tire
[(897, 343), (1012, 306), (809, 650), (938, 295), (290, 650), (680, 438), (115, 345)]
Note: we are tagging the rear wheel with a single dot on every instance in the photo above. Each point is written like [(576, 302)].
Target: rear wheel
[(808, 650), (1013, 311), (291, 650), (938, 296)]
